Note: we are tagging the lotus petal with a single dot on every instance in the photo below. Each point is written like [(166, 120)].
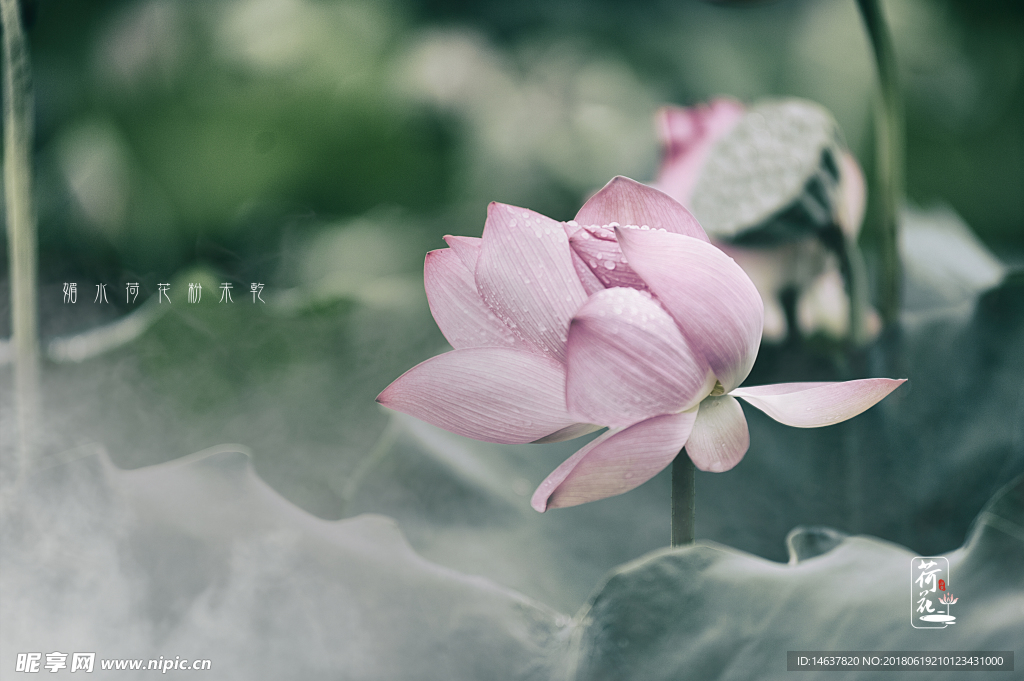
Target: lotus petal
[(460, 312), (628, 361), (720, 437), (467, 248), (591, 284), (812, 405), (526, 276), (616, 462), (599, 250), (712, 300), (627, 202), (492, 394)]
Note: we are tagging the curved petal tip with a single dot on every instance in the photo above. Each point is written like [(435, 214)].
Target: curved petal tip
[(628, 202), (616, 462), (813, 405), (492, 394)]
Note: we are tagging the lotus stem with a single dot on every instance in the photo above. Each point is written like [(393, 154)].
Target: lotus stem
[(683, 499), (889, 156), (21, 230)]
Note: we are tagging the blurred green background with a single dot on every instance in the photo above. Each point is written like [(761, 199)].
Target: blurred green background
[(223, 133)]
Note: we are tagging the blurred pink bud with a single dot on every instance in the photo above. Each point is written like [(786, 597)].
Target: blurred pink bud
[(687, 135)]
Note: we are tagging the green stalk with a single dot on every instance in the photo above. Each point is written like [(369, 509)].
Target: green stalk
[(21, 229), (888, 157), (683, 500)]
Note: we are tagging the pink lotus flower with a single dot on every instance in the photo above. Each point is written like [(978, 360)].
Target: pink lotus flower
[(688, 136), (626, 318)]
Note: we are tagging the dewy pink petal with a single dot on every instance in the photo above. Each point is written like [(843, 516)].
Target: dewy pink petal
[(688, 134), (812, 405), (492, 394), (591, 284), (627, 202), (467, 248), (720, 437), (598, 248), (616, 462), (526, 276), (456, 304), (623, 202), (628, 361), (712, 300)]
